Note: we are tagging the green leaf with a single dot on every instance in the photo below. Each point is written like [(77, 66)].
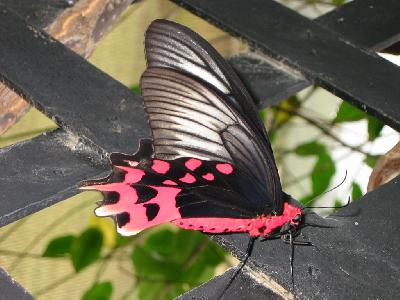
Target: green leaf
[(348, 113), (175, 291), (59, 247), (187, 243), (262, 114), (322, 173), (152, 265), (356, 192), (99, 291), (86, 248), (338, 2), (310, 148), (337, 204), (136, 89), (371, 160), (121, 241), (181, 258), (150, 290), (321, 176), (161, 242), (285, 109), (374, 128)]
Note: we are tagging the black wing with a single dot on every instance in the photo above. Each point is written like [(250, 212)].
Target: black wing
[(173, 46), (198, 107)]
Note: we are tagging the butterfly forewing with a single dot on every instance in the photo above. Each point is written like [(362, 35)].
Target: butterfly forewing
[(211, 93), (172, 46)]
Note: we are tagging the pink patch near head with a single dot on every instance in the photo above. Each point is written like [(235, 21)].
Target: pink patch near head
[(188, 178), (224, 168), (193, 163), (169, 182), (160, 166), (209, 177)]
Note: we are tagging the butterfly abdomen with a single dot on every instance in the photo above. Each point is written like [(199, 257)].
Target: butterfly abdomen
[(259, 226)]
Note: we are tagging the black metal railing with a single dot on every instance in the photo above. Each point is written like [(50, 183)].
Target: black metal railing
[(97, 115)]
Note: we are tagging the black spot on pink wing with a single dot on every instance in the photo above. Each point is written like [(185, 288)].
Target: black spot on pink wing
[(188, 178), (261, 229), (160, 166), (122, 219), (152, 210), (192, 164), (110, 198), (144, 193), (117, 176), (224, 168), (209, 176)]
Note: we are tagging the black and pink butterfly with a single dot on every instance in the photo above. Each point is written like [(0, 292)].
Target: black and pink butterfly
[(209, 165)]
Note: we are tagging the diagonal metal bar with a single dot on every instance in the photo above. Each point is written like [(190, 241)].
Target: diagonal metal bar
[(322, 55), (10, 289), (97, 113), (40, 172), (368, 23), (358, 259), (67, 88), (270, 82)]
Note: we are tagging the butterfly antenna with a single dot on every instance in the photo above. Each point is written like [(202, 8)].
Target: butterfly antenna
[(341, 206), (241, 266), (326, 192)]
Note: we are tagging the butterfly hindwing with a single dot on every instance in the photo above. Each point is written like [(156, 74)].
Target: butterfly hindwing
[(143, 192)]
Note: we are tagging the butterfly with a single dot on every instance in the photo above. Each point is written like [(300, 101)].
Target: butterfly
[(209, 165)]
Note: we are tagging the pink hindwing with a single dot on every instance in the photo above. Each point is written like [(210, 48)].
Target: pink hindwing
[(145, 193)]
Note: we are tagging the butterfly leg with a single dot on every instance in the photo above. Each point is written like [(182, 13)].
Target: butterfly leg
[(249, 250), (286, 238)]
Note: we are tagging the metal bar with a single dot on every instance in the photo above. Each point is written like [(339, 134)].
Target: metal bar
[(65, 87), (10, 289), (245, 286), (40, 172), (39, 13), (368, 23), (270, 82), (357, 259), (322, 55)]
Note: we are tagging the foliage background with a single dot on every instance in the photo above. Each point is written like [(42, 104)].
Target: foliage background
[(65, 252)]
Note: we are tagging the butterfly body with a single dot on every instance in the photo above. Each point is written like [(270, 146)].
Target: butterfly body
[(261, 226), (209, 165)]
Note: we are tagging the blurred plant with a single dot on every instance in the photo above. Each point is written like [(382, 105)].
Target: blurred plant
[(280, 118), (165, 262)]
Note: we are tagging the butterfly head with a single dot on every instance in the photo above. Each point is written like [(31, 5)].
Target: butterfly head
[(289, 220)]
